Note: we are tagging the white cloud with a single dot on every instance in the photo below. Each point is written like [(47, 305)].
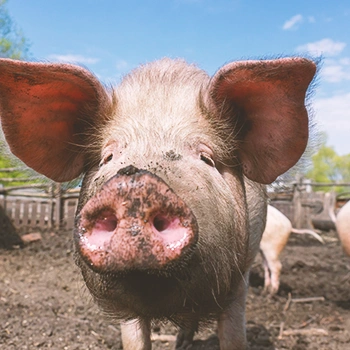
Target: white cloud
[(334, 111), (293, 22), (336, 72), (327, 47), (334, 69), (345, 61), (69, 58), (311, 19), (333, 115)]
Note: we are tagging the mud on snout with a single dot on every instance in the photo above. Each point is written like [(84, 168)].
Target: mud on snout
[(135, 222)]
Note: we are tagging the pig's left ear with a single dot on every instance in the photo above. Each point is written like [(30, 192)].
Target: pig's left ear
[(46, 110), (265, 102)]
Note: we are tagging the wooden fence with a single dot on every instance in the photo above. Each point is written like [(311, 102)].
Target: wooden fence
[(306, 207), (40, 206)]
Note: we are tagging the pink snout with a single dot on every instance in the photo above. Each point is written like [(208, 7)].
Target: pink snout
[(135, 222)]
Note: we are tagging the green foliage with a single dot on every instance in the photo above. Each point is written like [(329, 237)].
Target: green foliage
[(329, 167), (13, 44), (8, 163), (323, 165)]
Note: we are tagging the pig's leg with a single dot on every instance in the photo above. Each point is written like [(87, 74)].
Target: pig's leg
[(275, 267), (267, 279), (272, 271), (267, 272), (184, 339), (231, 324), (272, 268), (136, 335)]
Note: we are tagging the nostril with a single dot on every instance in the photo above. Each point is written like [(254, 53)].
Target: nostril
[(161, 223), (106, 221), (170, 230)]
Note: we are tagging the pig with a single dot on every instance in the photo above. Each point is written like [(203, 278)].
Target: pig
[(275, 237), (342, 224), (174, 164)]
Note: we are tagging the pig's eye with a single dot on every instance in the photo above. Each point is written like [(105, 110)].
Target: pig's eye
[(206, 159), (106, 159)]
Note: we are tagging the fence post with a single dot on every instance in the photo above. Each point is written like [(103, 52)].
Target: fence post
[(57, 215), (297, 207)]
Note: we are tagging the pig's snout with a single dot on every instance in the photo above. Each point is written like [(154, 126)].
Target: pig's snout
[(135, 222)]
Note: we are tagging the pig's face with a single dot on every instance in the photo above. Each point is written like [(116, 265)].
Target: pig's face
[(172, 138), (167, 223)]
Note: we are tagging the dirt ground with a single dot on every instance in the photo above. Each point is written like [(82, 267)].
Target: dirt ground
[(44, 304)]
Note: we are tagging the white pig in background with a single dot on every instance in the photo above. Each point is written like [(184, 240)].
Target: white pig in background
[(342, 224), (275, 237), (173, 202)]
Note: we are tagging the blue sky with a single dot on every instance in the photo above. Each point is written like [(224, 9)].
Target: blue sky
[(110, 37)]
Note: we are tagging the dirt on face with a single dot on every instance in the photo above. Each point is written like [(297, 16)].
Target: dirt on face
[(45, 305)]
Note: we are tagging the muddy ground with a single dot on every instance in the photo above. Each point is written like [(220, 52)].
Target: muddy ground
[(43, 302)]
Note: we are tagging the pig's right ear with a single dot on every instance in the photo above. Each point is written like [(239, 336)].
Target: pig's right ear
[(45, 112), (264, 101)]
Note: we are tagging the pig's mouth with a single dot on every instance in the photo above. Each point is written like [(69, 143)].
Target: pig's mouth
[(135, 223)]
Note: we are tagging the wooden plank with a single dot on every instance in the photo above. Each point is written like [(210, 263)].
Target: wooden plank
[(25, 218), (44, 215), (284, 206), (58, 206), (17, 213), (9, 209), (71, 206), (2, 202), (54, 212), (34, 214)]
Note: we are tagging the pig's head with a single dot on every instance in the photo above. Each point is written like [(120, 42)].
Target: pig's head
[(163, 219)]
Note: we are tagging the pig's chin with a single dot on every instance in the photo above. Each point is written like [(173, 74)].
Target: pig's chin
[(130, 294), (136, 294)]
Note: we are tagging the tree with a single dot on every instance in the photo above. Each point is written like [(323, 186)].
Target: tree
[(13, 44), (328, 166), (324, 165)]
